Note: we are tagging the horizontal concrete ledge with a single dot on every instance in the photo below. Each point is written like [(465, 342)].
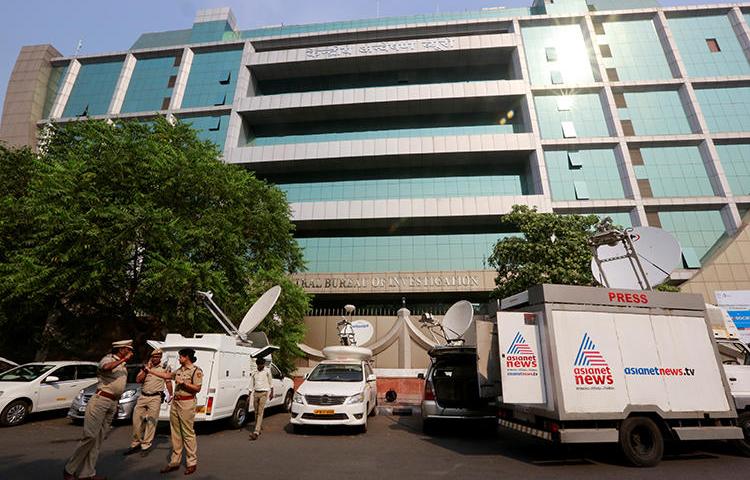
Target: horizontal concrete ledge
[(383, 147), (364, 98)]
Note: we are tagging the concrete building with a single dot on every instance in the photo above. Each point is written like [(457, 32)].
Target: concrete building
[(401, 141)]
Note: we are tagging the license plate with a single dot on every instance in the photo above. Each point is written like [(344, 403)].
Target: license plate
[(323, 412)]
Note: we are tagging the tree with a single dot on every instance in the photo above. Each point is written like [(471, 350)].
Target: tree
[(119, 224), (551, 248)]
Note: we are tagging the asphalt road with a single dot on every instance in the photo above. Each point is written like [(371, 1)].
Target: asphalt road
[(393, 448)]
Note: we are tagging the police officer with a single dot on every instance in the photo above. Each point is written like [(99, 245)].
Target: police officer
[(146, 411), (100, 410), (188, 379), (261, 388)]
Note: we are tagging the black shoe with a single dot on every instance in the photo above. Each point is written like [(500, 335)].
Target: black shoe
[(132, 450), (144, 453)]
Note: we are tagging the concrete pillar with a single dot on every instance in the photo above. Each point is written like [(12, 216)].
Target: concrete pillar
[(122, 84), (178, 91), (67, 86), (242, 90)]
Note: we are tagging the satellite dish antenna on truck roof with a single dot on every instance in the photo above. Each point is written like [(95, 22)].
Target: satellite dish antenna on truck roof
[(252, 319), (636, 258), (453, 325)]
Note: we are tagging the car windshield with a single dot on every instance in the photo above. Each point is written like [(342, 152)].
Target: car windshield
[(339, 372), (25, 373)]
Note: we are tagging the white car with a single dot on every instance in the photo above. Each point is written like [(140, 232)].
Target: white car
[(38, 387), (336, 392)]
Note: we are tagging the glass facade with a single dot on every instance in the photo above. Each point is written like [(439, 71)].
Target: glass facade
[(692, 36), (149, 84), (583, 174), (736, 162), (213, 128), (432, 187), (93, 89), (655, 113), (212, 79), (674, 172), (56, 77), (583, 111), (636, 52), (209, 31), (556, 55), (697, 231), (725, 109), (408, 253)]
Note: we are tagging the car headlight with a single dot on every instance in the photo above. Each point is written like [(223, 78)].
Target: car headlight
[(128, 394), (298, 398), (358, 398)]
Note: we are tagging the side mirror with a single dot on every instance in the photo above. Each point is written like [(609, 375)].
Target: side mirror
[(306, 375), (420, 376), (51, 379), (371, 377)]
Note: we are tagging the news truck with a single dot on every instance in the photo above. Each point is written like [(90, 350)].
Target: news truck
[(598, 365)]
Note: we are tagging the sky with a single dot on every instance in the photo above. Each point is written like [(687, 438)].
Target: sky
[(108, 25)]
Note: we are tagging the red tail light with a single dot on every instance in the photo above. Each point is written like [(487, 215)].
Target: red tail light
[(209, 405), (429, 393)]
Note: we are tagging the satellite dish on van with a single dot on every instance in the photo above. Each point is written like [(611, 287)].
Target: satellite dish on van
[(457, 320), (259, 310), (641, 259), (363, 331)]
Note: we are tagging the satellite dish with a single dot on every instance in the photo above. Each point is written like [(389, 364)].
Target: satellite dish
[(657, 251), (457, 320), (363, 331), (259, 310)]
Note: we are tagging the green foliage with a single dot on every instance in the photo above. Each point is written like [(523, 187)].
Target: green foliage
[(111, 230), (664, 287), (533, 258)]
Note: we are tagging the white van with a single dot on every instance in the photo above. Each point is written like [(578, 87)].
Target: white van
[(226, 375)]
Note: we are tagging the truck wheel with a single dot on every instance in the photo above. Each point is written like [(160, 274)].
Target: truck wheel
[(237, 420), (641, 441), (14, 413), (743, 421), (288, 401)]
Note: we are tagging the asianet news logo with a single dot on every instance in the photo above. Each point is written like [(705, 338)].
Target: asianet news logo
[(590, 367), (520, 354)]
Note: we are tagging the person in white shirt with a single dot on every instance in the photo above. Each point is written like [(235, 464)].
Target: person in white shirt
[(261, 389)]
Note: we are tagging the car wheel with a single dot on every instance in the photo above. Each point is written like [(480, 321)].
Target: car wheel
[(641, 441), (363, 427), (288, 401), (428, 426), (743, 421), (298, 429), (239, 416), (14, 413), (374, 410)]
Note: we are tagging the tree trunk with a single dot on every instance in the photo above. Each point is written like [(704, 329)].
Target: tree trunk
[(49, 332)]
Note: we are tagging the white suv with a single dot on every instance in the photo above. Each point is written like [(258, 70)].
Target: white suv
[(42, 386), (336, 392)]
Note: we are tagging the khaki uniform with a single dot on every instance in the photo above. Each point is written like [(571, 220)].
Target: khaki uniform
[(99, 413), (146, 411), (182, 417), (262, 384)]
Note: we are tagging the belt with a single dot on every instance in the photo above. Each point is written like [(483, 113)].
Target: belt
[(184, 397), (104, 394), (150, 394)]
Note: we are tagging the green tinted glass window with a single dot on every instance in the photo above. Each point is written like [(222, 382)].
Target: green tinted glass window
[(695, 230), (212, 79), (674, 172), (691, 35), (399, 253), (725, 109), (93, 89), (596, 168), (571, 63), (736, 162), (213, 128), (583, 110), (149, 84), (655, 113), (56, 77), (637, 53)]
